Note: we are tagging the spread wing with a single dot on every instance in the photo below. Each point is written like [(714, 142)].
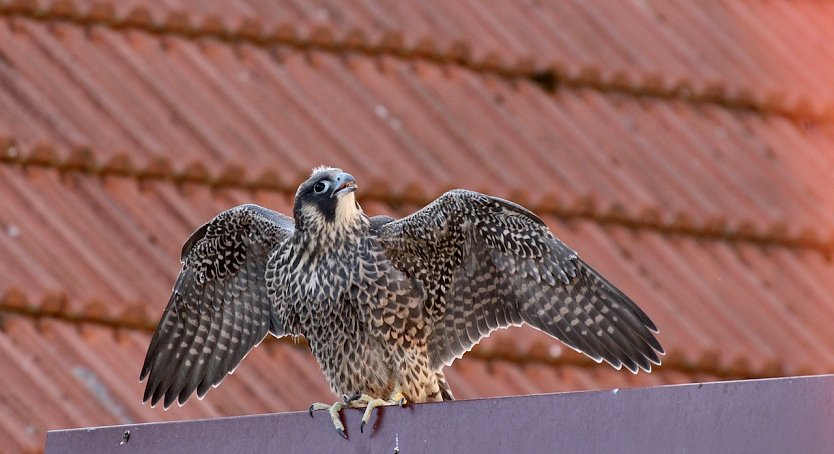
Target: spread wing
[(488, 263), (219, 308)]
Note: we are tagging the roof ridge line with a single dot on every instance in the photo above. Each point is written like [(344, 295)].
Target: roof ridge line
[(321, 38), (82, 161), (13, 302)]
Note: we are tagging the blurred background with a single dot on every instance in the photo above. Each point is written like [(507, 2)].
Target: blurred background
[(685, 149)]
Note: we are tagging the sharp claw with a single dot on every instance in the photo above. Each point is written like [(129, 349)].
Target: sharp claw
[(342, 433), (351, 398), (310, 410), (401, 402), (362, 427)]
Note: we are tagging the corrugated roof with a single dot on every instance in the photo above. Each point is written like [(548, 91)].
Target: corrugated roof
[(206, 111), (764, 55), (656, 138)]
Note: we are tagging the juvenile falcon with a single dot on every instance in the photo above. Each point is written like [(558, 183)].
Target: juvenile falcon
[(384, 304)]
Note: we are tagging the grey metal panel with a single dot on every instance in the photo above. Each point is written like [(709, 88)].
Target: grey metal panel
[(781, 415)]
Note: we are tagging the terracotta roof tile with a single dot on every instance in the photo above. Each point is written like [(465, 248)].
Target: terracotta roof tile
[(649, 162), (748, 53)]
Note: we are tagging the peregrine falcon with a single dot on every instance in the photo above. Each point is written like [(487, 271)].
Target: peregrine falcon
[(384, 304)]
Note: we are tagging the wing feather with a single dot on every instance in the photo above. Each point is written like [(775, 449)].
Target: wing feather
[(219, 307), (487, 263)]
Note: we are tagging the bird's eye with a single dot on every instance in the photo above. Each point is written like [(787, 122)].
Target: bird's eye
[(320, 187)]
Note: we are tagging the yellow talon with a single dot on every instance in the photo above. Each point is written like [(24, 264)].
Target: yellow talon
[(366, 417), (358, 401), (333, 410), (396, 398), (399, 398)]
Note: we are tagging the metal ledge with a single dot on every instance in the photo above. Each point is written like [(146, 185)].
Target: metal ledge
[(758, 416)]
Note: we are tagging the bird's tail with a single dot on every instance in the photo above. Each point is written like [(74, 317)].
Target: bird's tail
[(445, 391)]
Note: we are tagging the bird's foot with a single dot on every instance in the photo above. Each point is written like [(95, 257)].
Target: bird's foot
[(370, 403), (399, 399), (334, 413), (351, 398), (357, 401)]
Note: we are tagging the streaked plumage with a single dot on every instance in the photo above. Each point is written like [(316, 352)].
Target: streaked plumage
[(383, 303)]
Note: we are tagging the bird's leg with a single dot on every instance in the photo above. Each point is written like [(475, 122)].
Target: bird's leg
[(334, 412)]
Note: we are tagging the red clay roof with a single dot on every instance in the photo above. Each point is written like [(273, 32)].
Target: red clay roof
[(667, 143), (96, 101), (766, 55)]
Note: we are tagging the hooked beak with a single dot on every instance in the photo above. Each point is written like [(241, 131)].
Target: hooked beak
[(345, 184)]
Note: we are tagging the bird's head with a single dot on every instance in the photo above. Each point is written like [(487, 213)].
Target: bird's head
[(326, 202)]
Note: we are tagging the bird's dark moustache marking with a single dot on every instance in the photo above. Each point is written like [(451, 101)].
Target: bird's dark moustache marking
[(328, 208), (323, 202)]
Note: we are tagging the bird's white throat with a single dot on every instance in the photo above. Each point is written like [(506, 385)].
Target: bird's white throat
[(347, 211)]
